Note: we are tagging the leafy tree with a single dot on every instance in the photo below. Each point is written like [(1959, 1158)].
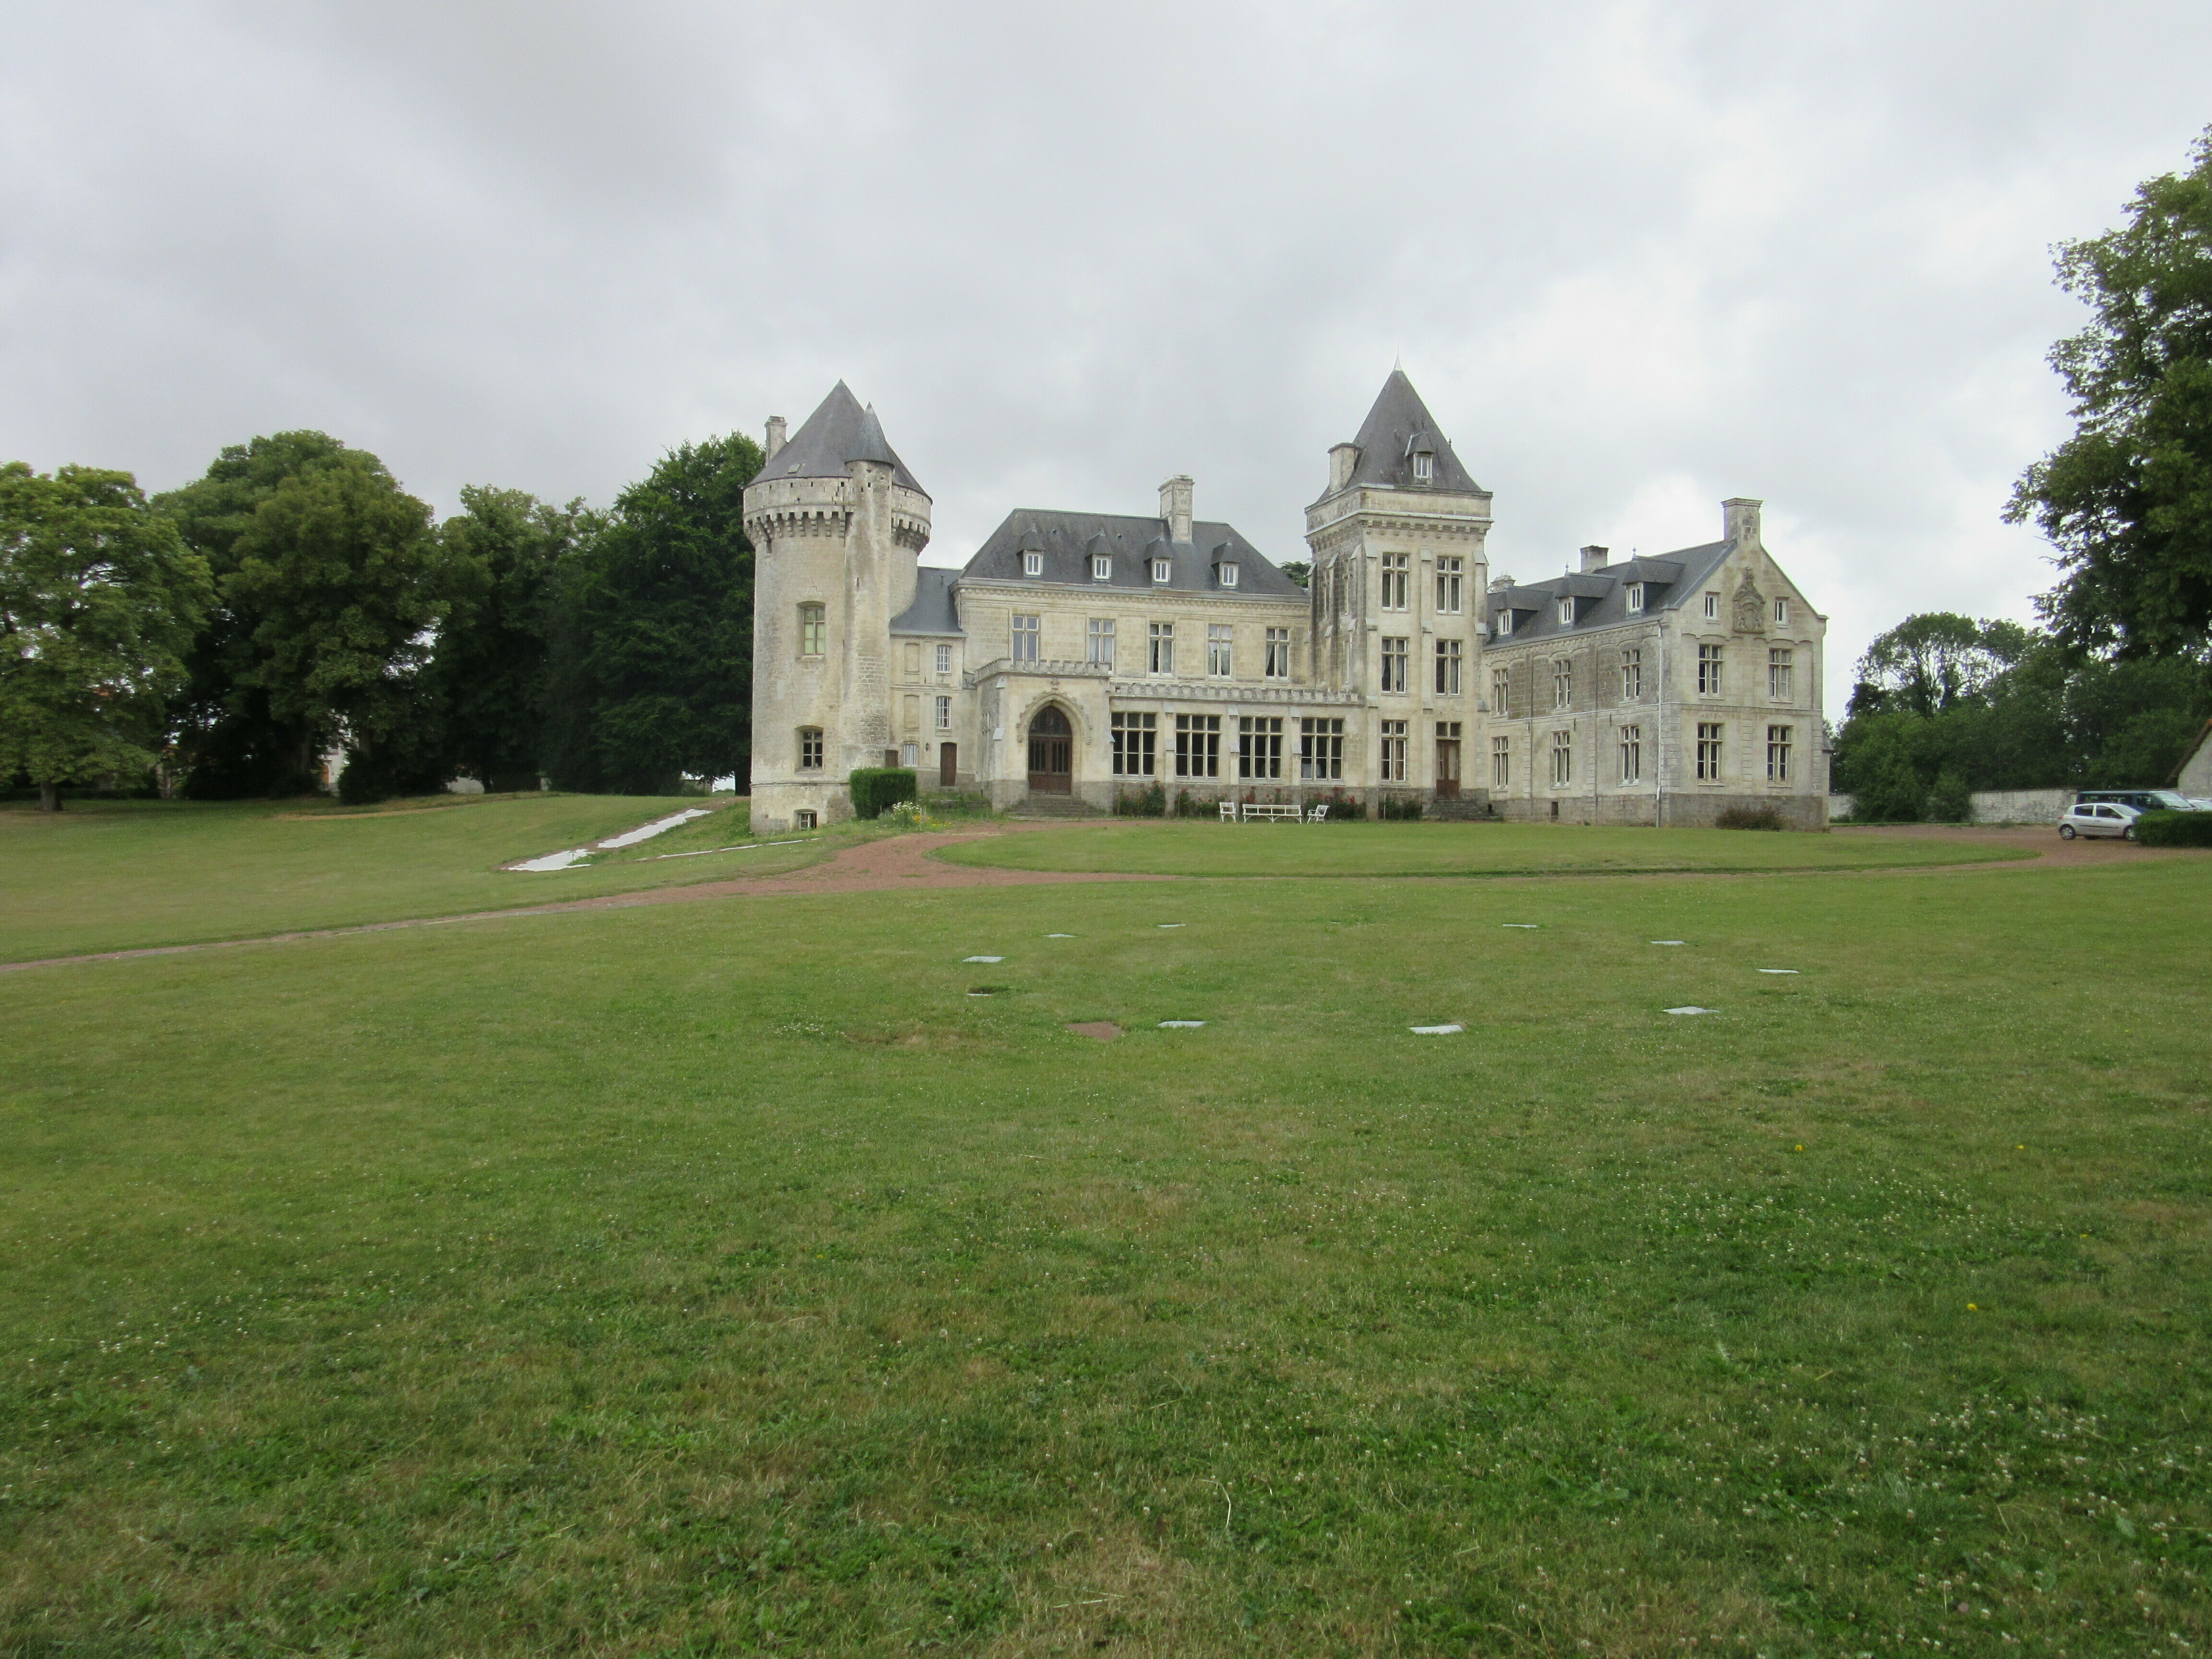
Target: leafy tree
[(229, 738), (1298, 570), (1936, 661), (492, 662), (99, 600), (655, 643), (346, 582), (2128, 499)]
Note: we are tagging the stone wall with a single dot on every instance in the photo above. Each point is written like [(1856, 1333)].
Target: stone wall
[(1995, 805)]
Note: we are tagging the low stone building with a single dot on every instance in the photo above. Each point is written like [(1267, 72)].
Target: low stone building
[(1080, 658)]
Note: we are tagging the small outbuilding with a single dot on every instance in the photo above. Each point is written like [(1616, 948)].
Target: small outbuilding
[(2194, 776)]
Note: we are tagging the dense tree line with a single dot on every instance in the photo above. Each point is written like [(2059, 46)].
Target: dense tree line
[(226, 636), (1945, 705)]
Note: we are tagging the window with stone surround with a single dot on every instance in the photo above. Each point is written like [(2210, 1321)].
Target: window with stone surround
[(1027, 632), (1397, 583), (1631, 754), (1259, 746), (1134, 735), (1563, 757), (1708, 751), (1321, 750), (1163, 644), (1220, 650), (1278, 653), (1501, 762), (1163, 569), (809, 749), (1782, 613), (1631, 674), (1632, 596), (1712, 607), (945, 713), (1777, 753), (1394, 665), (1448, 668), (1101, 568), (1450, 580), (804, 818), (1198, 745), (1563, 683), (1099, 641), (913, 657), (1709, 670), (1394, 751), (1779, 664), (811, 630), (1501, 692), (945, 660), (1033, 564)]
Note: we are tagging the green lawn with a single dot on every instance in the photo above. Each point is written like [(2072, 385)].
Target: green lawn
[(724, 1278), (114, 876), (1214, 848)]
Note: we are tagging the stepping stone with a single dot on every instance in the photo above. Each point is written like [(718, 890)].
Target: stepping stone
[(1693, 1009), (1435, 1030), (983, 958), (1059, 936), (1104, 1029), (1181, 1024), (1666, 941), (1778, 970), (1168, 924), (1530, 925)]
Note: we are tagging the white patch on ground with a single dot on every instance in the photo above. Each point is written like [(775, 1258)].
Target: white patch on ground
[(555, 861), (1436, 1030), (1666, 941), (1693, 1009), (1167, 924), (1778, 970), (1059, 936), (983, 958), (658, 826), (1181, 1024), (1530, 925)]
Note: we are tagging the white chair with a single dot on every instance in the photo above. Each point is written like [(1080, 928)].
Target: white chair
[(1319, 815), (1228, 811)]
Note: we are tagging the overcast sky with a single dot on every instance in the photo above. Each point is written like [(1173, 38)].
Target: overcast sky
[(1637, 257)]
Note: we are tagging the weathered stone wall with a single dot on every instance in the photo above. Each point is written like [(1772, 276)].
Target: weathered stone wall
[(1994, 806)]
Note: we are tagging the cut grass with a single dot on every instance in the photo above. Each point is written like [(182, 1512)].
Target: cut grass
[(722, 1278), (107, 875), (1448, 850)]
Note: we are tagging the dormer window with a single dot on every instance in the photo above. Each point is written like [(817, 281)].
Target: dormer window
[(1634, 593), (1566, 613), (1228, 575), (1506, 621), (1162, 569), (1424, 467), (1033, 564), (1101, 568)]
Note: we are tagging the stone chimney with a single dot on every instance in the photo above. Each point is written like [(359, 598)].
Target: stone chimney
[(774, 436), (1342, 459), (1740, 521), (1175, 507), (1595, 558)]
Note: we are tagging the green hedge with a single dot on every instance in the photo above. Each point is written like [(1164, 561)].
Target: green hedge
[(2174, 830), (875, 788)]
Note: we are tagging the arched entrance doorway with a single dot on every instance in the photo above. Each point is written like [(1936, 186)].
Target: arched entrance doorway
[(1052, 752)]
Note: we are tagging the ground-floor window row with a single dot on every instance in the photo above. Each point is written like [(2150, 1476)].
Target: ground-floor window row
[(1196, 748)]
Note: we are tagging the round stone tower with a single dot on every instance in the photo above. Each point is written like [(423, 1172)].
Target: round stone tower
[(837, 522)]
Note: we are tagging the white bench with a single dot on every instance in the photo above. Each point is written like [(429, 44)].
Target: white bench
[(1278, 811)]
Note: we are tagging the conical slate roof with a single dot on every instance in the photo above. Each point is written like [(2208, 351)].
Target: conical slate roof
[(1398, 425), (838, 432)]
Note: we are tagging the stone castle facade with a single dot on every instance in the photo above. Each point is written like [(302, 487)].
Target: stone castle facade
[(1078, 656)]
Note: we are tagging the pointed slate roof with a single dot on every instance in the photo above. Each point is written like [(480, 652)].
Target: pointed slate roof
[(1398, 424), (838, 432)]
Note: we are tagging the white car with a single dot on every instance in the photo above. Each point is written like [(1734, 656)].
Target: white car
[(2098, 818)]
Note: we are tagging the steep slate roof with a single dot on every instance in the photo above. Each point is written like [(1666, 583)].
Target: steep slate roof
[(1669, 579), (931, 611), (1068, 540), (838, 432), (1387, 437)]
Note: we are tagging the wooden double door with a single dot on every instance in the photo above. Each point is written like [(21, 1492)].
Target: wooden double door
[(1052, 752), (1448, 760)]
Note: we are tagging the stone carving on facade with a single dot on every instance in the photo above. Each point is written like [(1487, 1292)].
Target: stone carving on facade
[(1750, 606)]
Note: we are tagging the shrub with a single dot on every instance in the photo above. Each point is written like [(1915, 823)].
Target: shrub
[(1342, 808), (1950, 801), (2174, 830), (1406, 809), (1750, 817), (875, 788), (1187, 806), (1151, 802)]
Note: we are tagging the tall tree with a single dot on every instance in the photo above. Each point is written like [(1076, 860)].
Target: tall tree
[(230, 740), (491, 666), (660, 626), (1937, 660), (2128, 499), (99, 602)]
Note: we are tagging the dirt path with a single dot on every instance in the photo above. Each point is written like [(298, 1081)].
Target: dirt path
[(904, 864)]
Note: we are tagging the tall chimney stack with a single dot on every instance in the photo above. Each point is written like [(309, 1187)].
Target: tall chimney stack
[(1175, 507), (1342, 459), (1740, 521), (774, 434), (1595, 558)]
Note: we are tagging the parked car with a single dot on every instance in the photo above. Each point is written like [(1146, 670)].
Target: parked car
[(2143, 801), (2098, 818)]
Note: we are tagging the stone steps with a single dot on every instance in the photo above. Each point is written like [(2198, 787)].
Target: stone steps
[(1054, 806)]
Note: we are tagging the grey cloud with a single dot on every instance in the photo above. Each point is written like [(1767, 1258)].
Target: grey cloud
[(1637, 257)]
